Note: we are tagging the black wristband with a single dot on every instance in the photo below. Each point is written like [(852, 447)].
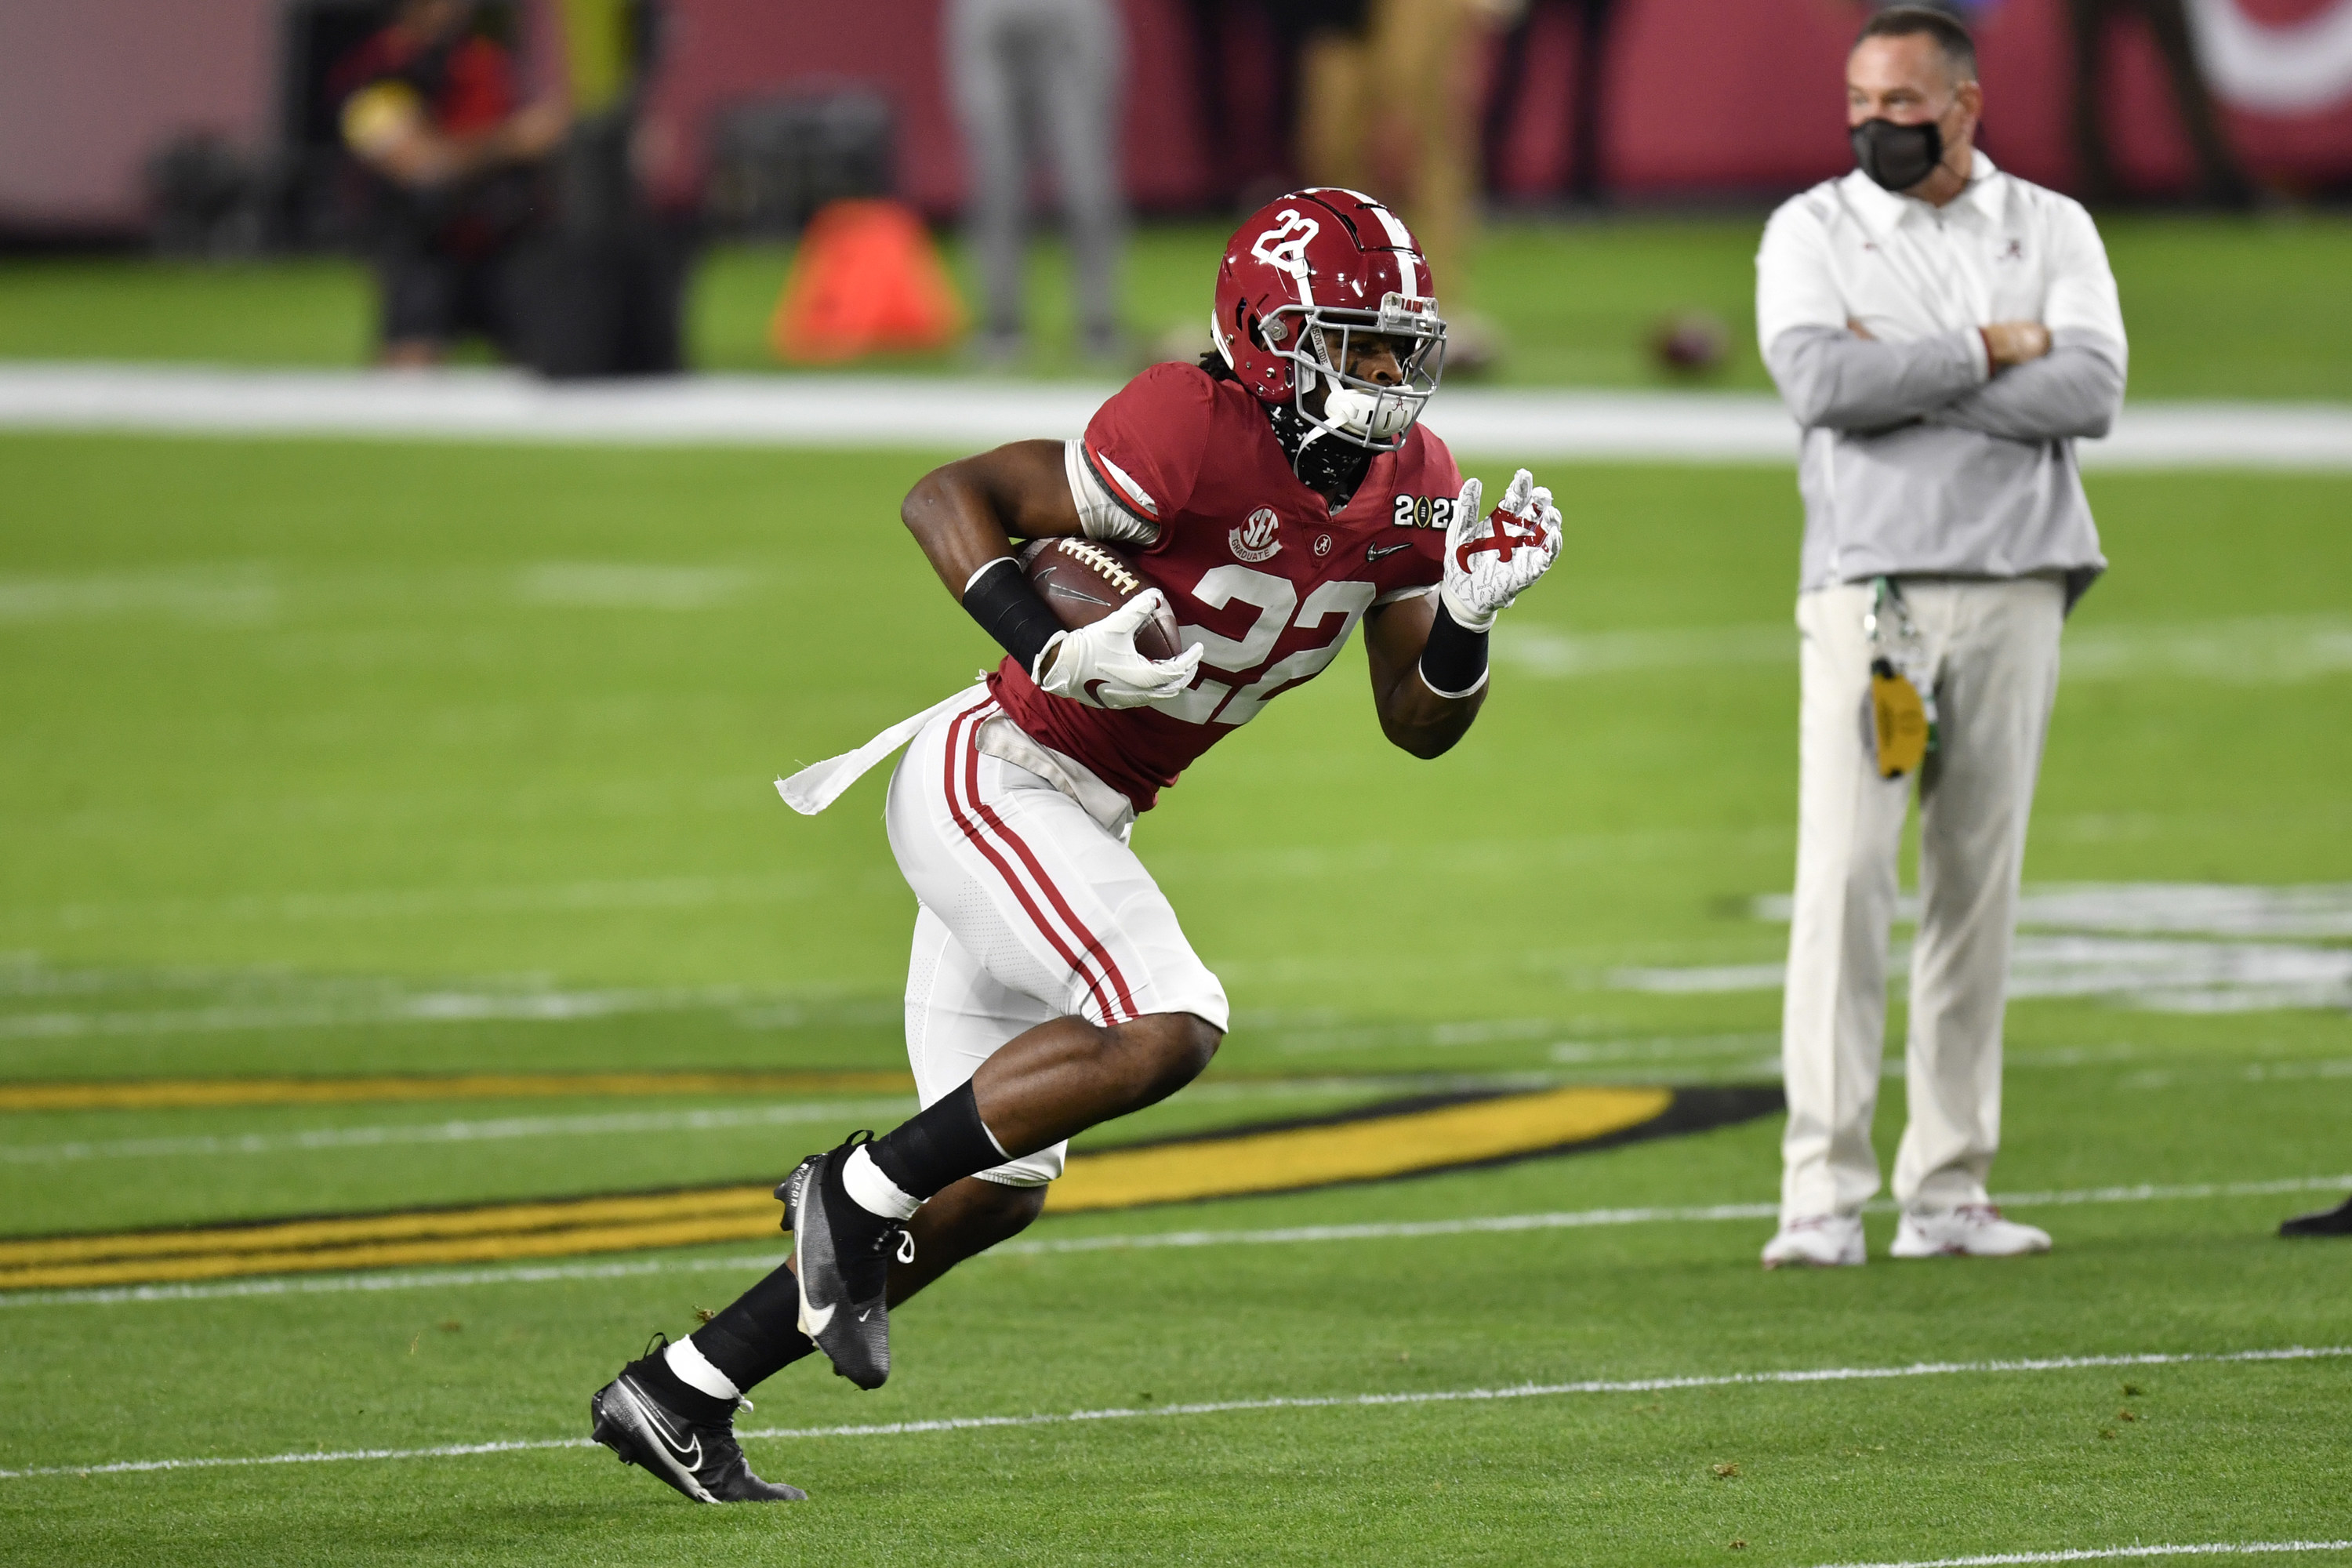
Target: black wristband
[(1010, 610), (1454, 660)]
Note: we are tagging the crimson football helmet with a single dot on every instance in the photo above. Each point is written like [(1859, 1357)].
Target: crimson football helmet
[(1301, 278)]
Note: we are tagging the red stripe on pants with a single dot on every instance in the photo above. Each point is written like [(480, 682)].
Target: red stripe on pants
[(1118, 1004)]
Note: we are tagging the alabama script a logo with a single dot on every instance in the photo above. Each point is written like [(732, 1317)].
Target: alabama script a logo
[(1254, 540)]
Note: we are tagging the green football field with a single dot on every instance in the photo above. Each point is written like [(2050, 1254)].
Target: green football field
[(326, 760)]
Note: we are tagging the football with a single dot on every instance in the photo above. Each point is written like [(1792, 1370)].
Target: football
[(1084, 580), (1691, 344)]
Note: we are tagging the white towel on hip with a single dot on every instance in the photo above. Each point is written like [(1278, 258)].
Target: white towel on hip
[(819, 784)]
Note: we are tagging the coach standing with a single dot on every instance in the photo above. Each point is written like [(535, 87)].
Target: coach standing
[(1942, 332)]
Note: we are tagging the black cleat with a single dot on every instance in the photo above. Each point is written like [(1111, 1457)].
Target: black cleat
[(841, 1255), (2337, 1221), (701, 1458)]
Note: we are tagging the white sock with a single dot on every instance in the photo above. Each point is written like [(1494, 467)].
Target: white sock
[(695, 1371), (873, 1191)]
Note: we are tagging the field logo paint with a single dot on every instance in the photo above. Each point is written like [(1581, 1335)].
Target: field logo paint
[(1384, 1141)]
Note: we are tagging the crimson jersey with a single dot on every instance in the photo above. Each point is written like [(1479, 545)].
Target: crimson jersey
[(467, 86), (1258, 569)]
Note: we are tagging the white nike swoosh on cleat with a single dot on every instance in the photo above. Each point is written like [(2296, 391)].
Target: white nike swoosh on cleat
[(688, 1455), (812, 1322)]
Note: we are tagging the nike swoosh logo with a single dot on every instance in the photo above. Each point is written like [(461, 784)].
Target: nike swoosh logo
[(866, 1314), (817, 1321), (688, 1453), (1376, 552), (1060, 592)]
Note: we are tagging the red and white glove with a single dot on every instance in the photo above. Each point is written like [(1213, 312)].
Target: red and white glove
[(1491, 559), (1098, 665)]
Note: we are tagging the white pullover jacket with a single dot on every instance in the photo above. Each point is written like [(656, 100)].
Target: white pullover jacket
[(1917, 458)]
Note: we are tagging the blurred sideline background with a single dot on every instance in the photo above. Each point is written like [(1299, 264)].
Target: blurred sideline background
[(173, 185)]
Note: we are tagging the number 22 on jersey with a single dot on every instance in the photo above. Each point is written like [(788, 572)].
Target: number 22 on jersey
[(1277, 601)]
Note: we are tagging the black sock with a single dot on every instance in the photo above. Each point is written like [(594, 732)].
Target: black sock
[(675, 1392), (943, 1144), (758, 1336)]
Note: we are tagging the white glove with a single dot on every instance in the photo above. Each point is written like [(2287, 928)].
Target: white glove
[(1098, 666), (1491, 560)]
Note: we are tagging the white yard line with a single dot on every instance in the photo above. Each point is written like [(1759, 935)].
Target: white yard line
[(423, 1007), (2260, 1072), (944, 414), (1132, 1241), (1233, 1406), (2104, 1553), (422, 903)]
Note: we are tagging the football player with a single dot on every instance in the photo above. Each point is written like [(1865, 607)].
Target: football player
[(1276, 493)]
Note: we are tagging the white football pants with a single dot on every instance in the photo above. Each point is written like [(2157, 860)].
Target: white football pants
[(1994, 647), (1032, 910)]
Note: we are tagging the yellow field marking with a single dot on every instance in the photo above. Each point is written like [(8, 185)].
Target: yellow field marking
[(497, 1248), (452, 1227), (158, 1094), (1359, 1150), (1365, 1148)]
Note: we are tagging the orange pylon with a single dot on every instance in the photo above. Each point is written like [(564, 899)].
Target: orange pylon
[(866, 278)]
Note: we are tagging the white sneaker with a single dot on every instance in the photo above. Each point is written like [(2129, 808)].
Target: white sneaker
[(1972, 1230), (1817, 1241)]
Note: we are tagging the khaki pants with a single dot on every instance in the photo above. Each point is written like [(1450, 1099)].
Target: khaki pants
[(1994, 646), (1393, 110)]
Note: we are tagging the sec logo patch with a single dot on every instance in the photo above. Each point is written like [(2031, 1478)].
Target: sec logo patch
[(1256, 539)]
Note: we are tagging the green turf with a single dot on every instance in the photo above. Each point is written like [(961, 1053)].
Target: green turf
[(336, 758), (2217, 307)]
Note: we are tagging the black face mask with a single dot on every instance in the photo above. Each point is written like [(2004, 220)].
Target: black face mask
[(1331, 468), (1897, 156)]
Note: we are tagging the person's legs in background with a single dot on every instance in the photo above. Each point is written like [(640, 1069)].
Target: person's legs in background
[(2086, 22), (1426, 62), (1422, 67), (1086, 54), (1585, 146), (1997, 643), (1849, 830), (983, 45), (418, 303), (2222, 179), (1334, 100)]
